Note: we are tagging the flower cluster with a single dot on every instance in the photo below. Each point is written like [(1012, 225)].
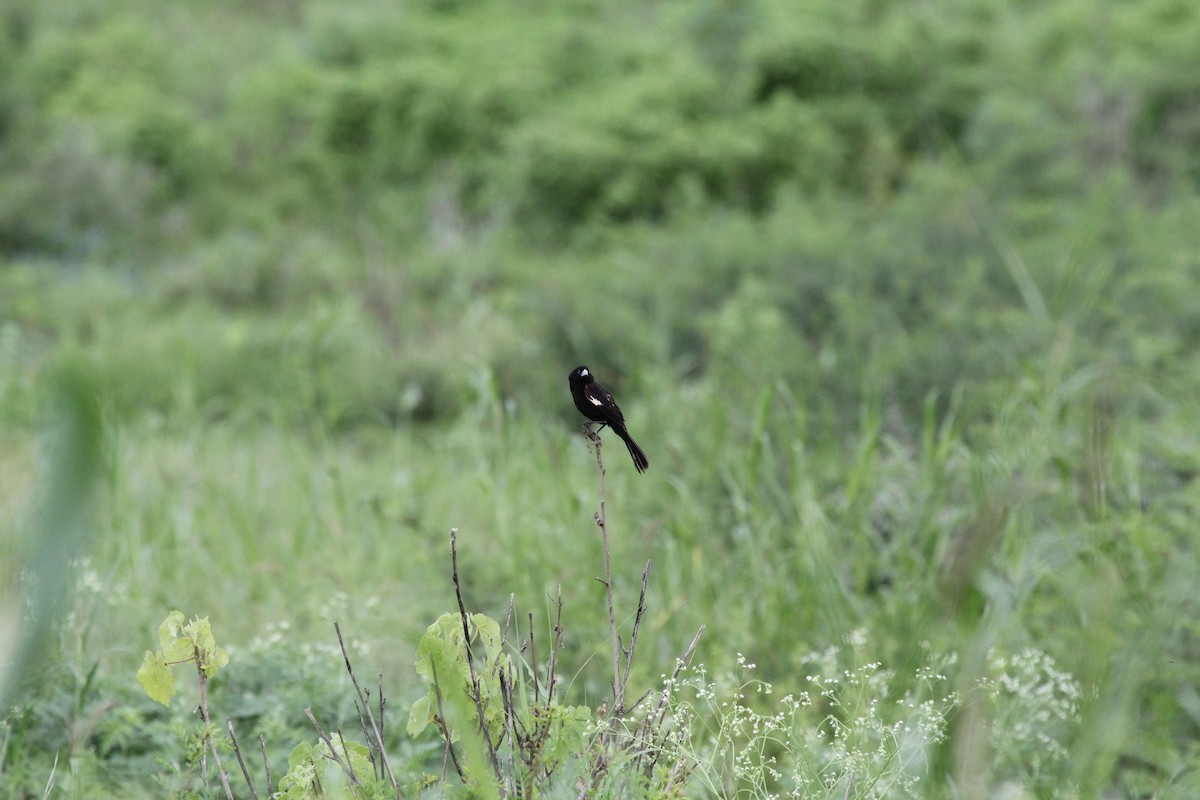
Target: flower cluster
[(847, 731), (1032, 706)]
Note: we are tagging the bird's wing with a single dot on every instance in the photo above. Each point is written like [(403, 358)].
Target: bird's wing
[(599, 397)]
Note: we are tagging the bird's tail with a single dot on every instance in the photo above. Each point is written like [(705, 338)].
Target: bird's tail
[(640, 462)]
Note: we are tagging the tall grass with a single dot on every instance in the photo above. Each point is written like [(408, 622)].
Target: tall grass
[(901, 305)]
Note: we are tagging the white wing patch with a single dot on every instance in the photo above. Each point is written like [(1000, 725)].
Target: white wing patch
[(595, 401)]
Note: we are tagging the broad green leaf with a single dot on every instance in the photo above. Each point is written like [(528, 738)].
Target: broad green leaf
[(156, 679), (441, 647), (358, 753), (179, 650), (168, 631), (300, 754), (200, 631), (421, 714), (312, 774), (435, 636), (488, 632), (448, 628), (212, 658), (217, 659), (300, 782)]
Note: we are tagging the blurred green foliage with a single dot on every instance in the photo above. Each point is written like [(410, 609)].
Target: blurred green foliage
[(442, 181), (901, 300)]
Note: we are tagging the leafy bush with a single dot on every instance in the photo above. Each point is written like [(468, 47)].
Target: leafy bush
[(900, 301)]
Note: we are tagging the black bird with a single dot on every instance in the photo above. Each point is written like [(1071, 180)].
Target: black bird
[(595, 403)]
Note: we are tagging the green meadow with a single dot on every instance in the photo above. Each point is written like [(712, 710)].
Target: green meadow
[(901, 300)]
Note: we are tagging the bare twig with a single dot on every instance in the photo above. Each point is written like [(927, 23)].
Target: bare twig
[(376, 769), (680, 663), (333, 753), (345, 749), (599, 768), (602, 521), (551, 676), (475, 690), (542, 729), (266, 765), (445, 759), (654, 720), (238, 752), (375, 726), (437, 692), (509, 722), (512, 597), (382, 719), (638, 702), (676, 775), (533, 660), (212, 741), (637, 622)]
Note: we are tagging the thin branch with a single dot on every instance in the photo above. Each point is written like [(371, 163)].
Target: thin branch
[(317, 777), (238, 752), (266, 765), (654, 721), (382, 719), (541, 727), (509, 721), (637, 622), (212, 740), (602, 521), (680, 663), (639, 701), (551, 665), (376, 769), (676, 776), (475, 690), (345, 749), (533, 660), (599, 768), (441, 718), (509, 616), (445, 760), (333, 753), (375, 727)]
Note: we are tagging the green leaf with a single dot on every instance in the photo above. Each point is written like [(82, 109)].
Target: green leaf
[(179, 650), (168, 631), (358, 754), (200, 631), (421, 714), (156, 679), (488, 632), (217, 659), (301, 778), (442, 644), (212, 658), (313, 774)]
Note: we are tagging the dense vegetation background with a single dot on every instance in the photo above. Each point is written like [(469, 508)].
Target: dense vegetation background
[(902, 300)]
